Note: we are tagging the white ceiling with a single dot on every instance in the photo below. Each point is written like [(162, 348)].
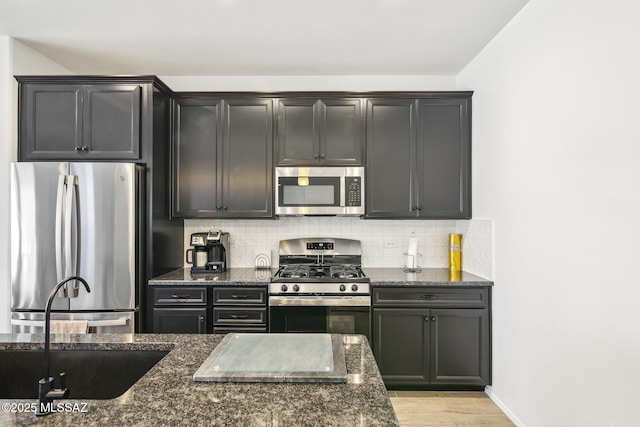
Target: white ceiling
[(258, 37)]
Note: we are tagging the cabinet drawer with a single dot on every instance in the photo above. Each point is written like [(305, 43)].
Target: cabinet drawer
[(249, 316), (239, 296), (431, 297), (180, 296)]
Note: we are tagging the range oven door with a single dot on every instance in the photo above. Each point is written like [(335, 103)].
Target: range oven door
[(320, 316)]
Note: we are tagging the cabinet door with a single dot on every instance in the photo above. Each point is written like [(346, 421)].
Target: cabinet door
[(112, 122), (298, 133), (180, 320), (247, 158), (460, 347), (444, 154), (391, 158), (400, 345), (50, 121), (340, 132), (195, 141)]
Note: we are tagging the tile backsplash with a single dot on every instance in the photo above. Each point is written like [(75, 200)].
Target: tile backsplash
[(383, 241)]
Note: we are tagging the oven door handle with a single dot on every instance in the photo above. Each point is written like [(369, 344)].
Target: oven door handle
[(320, 301)]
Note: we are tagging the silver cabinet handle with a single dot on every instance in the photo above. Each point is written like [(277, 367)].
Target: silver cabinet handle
[(239, 316)]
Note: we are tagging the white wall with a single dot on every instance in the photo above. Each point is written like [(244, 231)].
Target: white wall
[(556, 151), (308, 83), (27, 61), (15, 59)]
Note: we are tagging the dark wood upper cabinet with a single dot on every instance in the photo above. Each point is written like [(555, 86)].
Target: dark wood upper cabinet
[(196, 133), (444, 157), (419, 157), (391, 158), (112, 121), (247, 155), (67, 121), (222, 158), (324, 131)]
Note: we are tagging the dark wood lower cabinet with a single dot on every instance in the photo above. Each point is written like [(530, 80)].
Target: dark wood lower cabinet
[(209, 309), (181, 310), (459, 350), (239, 309), (432, 348), (180, 320), (400, 344)]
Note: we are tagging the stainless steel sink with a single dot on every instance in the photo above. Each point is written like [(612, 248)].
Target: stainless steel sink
[(90, 374)]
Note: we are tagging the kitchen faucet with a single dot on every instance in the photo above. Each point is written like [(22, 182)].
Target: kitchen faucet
[(46, 392)]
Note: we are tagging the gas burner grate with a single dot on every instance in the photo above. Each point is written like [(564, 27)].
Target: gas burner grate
[(344, 271), (296, 271)]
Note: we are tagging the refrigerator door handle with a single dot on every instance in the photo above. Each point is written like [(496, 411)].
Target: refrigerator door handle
[(59, 225), (71, 235)]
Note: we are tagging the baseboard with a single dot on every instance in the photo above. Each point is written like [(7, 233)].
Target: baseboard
[(503, 407)]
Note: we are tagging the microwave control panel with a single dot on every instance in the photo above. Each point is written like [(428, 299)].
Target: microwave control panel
[(353, 189)]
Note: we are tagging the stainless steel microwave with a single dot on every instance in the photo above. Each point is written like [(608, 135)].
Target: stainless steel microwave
[(319, 190)]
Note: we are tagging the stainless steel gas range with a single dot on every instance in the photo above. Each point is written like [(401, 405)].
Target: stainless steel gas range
[(320, 287)]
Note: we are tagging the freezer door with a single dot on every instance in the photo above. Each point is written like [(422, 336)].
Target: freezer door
[(35, 250), (106, 234)]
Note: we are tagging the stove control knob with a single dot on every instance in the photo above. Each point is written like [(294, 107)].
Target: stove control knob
[(296, 288), (354, 288), (284, 288), (343, 288)]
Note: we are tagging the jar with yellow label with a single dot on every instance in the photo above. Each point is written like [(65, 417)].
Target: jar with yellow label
[(455, 252)]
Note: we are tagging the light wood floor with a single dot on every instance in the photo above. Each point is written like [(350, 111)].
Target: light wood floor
[(454, 409)]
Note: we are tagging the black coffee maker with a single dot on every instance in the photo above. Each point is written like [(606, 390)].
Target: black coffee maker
[(210, 252)]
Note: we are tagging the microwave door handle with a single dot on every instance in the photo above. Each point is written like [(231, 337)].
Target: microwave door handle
[(342, 191), (59, 227)]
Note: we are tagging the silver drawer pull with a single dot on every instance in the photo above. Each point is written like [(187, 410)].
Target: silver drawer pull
[(429, 296), (241, 296), (178, 296), (239, 316)]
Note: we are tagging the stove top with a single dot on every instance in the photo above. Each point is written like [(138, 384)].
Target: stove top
[(324, 272), (320, 266)]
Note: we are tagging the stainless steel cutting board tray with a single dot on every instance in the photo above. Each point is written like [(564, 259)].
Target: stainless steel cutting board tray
[(246, 357)]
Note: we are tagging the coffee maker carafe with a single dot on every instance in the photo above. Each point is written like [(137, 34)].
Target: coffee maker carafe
[(210, 252)]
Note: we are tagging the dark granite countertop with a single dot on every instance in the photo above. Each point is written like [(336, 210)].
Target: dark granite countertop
[(378, 276), (167, 395), (231, 277), (426, 277)]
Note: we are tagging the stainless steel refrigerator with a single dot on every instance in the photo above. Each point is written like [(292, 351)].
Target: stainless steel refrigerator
[(76, 219)]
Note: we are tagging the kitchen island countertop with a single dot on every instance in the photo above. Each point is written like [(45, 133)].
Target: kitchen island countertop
[(167, 395), (378, 276)]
